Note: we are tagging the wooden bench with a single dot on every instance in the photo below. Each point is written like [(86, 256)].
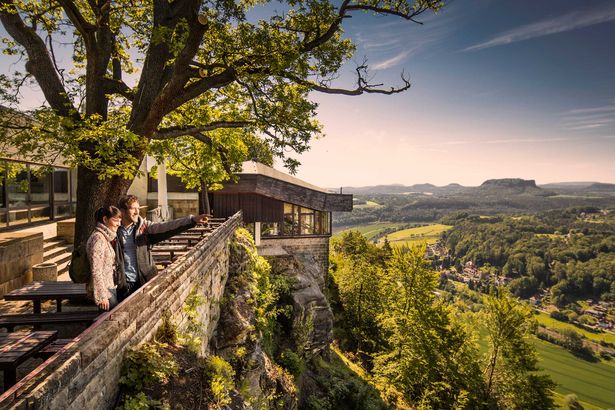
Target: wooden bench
[(10, 321), (52, 348), (16, 348)]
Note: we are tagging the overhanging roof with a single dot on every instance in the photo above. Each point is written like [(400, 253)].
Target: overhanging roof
[(256, 178)]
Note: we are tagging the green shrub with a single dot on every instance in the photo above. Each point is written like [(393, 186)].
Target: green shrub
[(140, 401), (146, 364), (167, 332), (292, 362), (220, 375)]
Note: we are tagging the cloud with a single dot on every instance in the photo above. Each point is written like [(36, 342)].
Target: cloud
[(388, 63), (589, 117), (566, 22)]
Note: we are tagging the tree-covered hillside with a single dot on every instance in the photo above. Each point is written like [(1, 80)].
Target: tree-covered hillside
[(570, 251)]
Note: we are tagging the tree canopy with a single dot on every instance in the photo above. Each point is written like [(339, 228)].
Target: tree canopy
[(156, 70)]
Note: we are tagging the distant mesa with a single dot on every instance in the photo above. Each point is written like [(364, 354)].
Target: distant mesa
[(509, 183), (601, 186)]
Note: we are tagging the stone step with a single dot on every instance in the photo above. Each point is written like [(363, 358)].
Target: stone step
[(53, 252), (61, 258), (51, 243)]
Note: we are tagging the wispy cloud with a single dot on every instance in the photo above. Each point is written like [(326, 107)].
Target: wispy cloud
[(589, 118), (502, 141), (393, 61), (566, 22), (398, 41)]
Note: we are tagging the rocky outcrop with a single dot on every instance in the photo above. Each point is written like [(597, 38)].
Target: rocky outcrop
[(258, 380), (312, 319)]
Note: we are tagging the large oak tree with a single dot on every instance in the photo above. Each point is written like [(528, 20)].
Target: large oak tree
[(142, 71)]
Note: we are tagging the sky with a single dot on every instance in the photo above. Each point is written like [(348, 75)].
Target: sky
[(500, 89)]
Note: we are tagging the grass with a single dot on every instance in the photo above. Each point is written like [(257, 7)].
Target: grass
[(591, 382), (368, 204), (549, 322), (369, 230), (422, 234)]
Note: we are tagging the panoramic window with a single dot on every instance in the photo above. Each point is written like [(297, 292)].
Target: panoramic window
[(298, 221)]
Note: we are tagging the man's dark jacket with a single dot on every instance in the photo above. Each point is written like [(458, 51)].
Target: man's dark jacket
[(147, 234)]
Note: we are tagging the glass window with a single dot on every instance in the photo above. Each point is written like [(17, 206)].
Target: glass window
[(270, 229), (62, 210), (40, 191), (60, 185), (307, 221), (17, 184)]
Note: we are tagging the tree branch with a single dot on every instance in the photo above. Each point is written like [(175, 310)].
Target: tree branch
[(113, 86), (85, 28), (39, 63), (174, 132)]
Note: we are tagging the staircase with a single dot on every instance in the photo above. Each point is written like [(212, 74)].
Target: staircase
[(59, 251)]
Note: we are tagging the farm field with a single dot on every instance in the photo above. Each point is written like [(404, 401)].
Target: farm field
[(369, 230), (591, 382), (421, 234), (548, 321)]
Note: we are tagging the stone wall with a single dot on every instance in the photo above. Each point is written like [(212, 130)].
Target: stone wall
[(19, 251), (315, 247), (85, 374)]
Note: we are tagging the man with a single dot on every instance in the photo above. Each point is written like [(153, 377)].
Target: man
[(136, 236)]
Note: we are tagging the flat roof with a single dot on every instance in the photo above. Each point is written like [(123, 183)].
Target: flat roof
[(252, 167)]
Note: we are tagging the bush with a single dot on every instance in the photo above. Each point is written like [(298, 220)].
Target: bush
[(220, 377), (147, 364), (292, 362), (557, 315)]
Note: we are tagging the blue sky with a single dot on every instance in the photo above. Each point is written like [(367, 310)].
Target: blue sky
[(500, 89)]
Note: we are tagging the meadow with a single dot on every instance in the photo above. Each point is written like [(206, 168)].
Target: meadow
[(591, 382), (413, 236), (368, 230), (549, 322)]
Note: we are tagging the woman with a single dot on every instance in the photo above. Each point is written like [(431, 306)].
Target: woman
[(102, 256)]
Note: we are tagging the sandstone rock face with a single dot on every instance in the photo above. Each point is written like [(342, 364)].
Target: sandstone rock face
[(313, 319), (258, 380)]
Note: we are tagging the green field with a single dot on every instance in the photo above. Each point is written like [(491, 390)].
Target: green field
[(412, 236), (368, 204), (548, 321), (593, 383), (369, 230)]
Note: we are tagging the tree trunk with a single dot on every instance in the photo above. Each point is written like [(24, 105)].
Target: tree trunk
[(204, 206), (92, 194)]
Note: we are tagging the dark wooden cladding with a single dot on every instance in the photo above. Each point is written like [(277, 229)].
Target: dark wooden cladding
[(255, 208), (287, 192)]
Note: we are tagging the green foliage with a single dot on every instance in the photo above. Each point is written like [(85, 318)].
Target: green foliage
[(139, 401), (340, 387), (146, 364), (292, 362), (576, 265), (220, 377), (167, 331), (510, 376), (428, 357), (192, 338)]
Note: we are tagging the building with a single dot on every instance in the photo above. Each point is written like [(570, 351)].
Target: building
[(284, 213)]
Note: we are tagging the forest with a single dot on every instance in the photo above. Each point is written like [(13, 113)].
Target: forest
[(569, 251), (419, 349)]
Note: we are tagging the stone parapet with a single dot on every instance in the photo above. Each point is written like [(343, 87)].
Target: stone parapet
[(85, 373), (19, 251)]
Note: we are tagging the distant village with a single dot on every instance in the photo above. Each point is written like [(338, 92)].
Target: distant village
[(474, 277)]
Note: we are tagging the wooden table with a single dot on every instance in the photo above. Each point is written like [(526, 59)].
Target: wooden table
[(41, 291), (16, 348)]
